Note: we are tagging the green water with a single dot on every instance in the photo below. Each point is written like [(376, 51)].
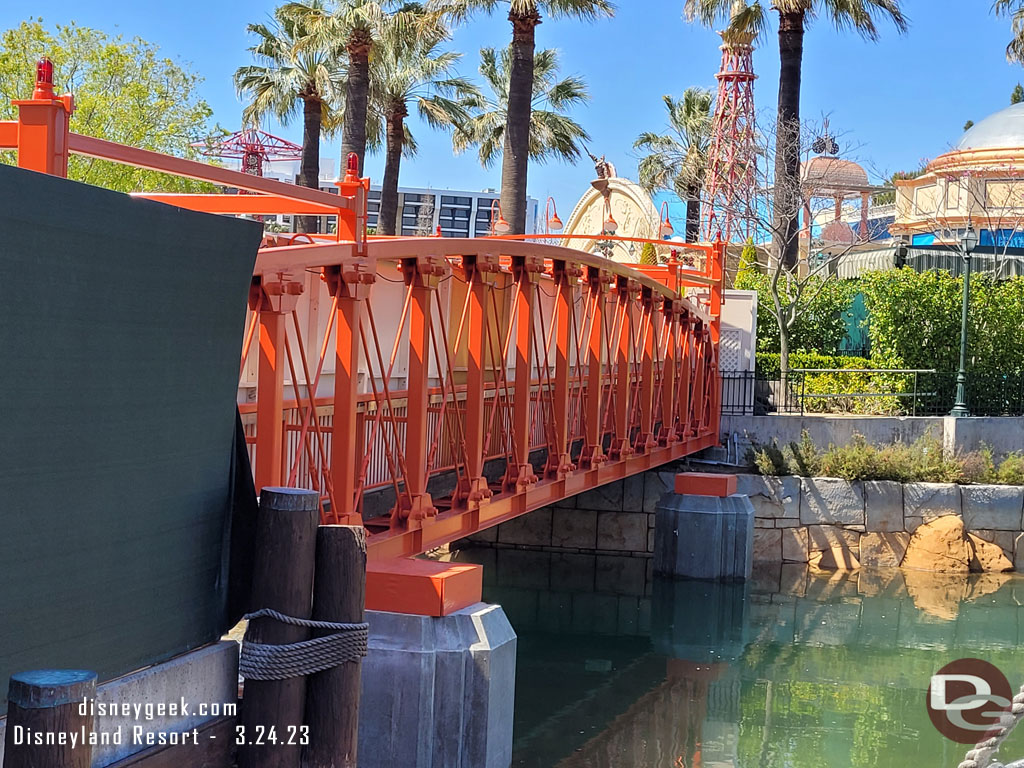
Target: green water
[(791, 670)]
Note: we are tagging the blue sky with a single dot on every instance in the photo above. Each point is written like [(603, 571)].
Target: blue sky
[(899, 100)]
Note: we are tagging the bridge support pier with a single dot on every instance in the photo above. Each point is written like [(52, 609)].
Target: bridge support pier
[(704, 530), (437, 692)]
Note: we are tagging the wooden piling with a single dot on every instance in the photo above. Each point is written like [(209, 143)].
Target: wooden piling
[(332, 696), (272, 710), (45, 702)]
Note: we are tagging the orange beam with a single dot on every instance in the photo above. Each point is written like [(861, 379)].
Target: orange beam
[(623, 374), (523, 269), (269, 469), (593, 448), (344, 453), (647, 382), (565, 305), (422, 587), (8, 134), (459, 523), (476, 365), (255, 205)]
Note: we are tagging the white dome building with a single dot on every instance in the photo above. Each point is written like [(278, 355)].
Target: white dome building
[(980, 180)]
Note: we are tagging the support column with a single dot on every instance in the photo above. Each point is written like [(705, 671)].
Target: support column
[(273, 299), (670, 328), (704, 529), (351, 287), (645, 391), (593, 448), (421, 275), (566, 277), (43, 125), (476, 271), (621, 447), (687, 343), (524, 268), (438, 691), (700, 363)]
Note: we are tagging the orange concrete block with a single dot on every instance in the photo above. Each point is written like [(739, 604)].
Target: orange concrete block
[(705, 484), (422, 587)]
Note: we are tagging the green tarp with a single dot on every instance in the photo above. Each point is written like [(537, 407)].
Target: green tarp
[(121, 322)]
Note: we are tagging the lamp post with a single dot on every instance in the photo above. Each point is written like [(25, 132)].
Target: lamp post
[(968, 242), (554, 224)]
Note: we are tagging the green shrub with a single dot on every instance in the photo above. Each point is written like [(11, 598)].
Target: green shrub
[(921, 461), (1011, 470)]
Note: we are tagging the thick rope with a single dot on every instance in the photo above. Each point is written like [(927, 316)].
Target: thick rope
[(259, 661), (981, 755)]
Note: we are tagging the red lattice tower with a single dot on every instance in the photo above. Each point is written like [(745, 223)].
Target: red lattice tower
[(254, 148), (731, 178)]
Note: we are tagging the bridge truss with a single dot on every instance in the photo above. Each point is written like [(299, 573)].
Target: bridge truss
[(431, 388)]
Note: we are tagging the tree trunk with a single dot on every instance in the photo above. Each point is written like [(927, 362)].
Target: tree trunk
[(357, 92), (784, 367), (787, 141), (693, 214), (309, 165), (387, 221), (516, 158)]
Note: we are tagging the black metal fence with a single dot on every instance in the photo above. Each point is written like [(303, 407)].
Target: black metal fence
[(870, 392)]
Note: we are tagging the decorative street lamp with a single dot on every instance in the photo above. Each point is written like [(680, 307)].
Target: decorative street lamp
[(968, 242), (554, 224), (498, 225)]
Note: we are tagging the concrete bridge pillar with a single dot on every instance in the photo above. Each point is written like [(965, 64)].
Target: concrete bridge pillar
[(438, 691), (438, 681), (704, 530)]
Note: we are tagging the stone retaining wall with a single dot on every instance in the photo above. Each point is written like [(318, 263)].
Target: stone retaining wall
[(797, 517), (617, 518)]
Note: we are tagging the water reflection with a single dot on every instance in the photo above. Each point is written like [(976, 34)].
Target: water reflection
[(791, 670)]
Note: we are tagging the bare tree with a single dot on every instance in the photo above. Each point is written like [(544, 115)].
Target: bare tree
[(822, 241)]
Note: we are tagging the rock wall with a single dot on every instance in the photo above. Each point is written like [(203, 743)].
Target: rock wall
[(617, 518), (834, 523)]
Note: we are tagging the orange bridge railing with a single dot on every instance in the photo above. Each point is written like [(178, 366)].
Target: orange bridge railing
[(433, 387)]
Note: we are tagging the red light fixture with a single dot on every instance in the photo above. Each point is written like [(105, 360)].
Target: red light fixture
[(666, 229), (44, 79), (554, 223), (352, 167)]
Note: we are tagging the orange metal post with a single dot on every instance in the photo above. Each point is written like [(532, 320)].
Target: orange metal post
[(670, 329), (476, 270), (269, 470), (421, 273), (621, 447), (697, 398), (274, 300), (645, 390), (350, 288), (593, 448), (566, 277), (687, 343), (522, 476), (43, 125)]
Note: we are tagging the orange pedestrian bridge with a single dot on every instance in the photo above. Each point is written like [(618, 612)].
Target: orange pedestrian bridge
[(429, 388)]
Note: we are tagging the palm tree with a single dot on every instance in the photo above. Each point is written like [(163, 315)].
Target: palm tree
[(358, 25), (525, 16), (744, 18), (552, 134), (405, 72), (678, 160), (290, 72), (1015, 10)]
